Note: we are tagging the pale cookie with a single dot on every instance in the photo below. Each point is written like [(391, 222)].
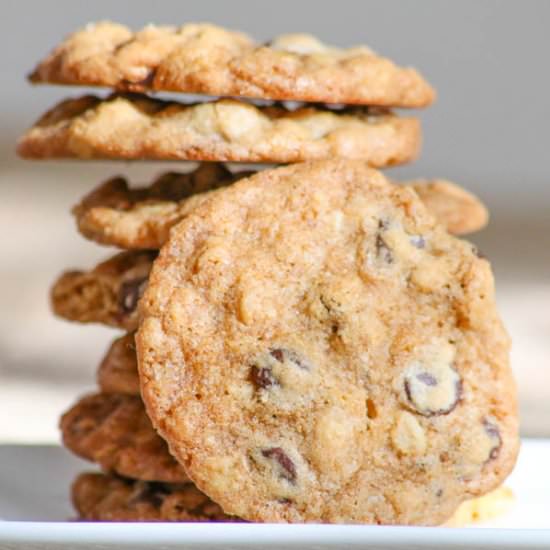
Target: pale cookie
[(100, 497), (138, 127), (117, 371), (107, 294), (141, 217), (114, 431), (206, 59), (493, 505), (315, 347)]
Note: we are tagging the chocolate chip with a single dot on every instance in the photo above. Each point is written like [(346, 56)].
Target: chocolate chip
[(494, 433), (287, 468), (262, 377), (152, 491), (383, 250), (432, 391), (418, 240), (129, 294), (282, 355), (427, 378)]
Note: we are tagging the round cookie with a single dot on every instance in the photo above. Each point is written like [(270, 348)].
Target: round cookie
[(115, 432), (208, 59), (141, 217), (117, 372), (315, 347), (129, 127), (100, 497)]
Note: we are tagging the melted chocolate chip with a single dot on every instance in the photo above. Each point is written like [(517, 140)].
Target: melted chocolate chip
[(152, 491), (129, 294), (422, 405), (494, 433), (287, 468), (383, 250), (282, 355), (418, 240), (427, 379), (262, 377)]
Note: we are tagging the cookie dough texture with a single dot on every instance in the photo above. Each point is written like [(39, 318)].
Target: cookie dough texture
[(118, 371), (206, 59), (137, 127), (141, 217), (314, 346), (114, 431), (107, 294), (100, 497)]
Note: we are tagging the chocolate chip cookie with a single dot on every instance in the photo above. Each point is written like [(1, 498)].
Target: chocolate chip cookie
[(117, 371), (314, 346), (114, 431), (207, 59), (100, 497), (138, 127), (107, 294), (141, 217)]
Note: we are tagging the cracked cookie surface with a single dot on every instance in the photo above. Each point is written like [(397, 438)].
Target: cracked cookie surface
[(114, 431), (207, 59), (100, 497), (108, 293), (314, 346), (141, 217), (138, 127)]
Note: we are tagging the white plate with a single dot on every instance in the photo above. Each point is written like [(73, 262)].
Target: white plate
[(34, 505)]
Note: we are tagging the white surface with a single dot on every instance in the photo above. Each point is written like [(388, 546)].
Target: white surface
[(34, 484)]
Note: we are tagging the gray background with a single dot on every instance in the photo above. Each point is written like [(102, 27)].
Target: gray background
[(487, 131)]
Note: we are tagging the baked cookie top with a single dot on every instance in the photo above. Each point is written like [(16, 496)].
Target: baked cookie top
[(141, 217), (207, 59), (114, 431), (108, 293), (138, 127), (117, 372), (314, 346), (100, 497)]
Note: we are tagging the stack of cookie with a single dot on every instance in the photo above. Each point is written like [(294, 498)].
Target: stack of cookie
[(313, 344)]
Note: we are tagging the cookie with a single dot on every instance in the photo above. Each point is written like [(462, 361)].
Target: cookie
[(107, 294), (141, 217), (117, 371), (114, 431), (137, 127), (479, 510), (206, 59), (100, 497), (314, 346), (457, 209)]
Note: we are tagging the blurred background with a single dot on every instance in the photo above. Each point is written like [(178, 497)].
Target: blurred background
[(488, 131)]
